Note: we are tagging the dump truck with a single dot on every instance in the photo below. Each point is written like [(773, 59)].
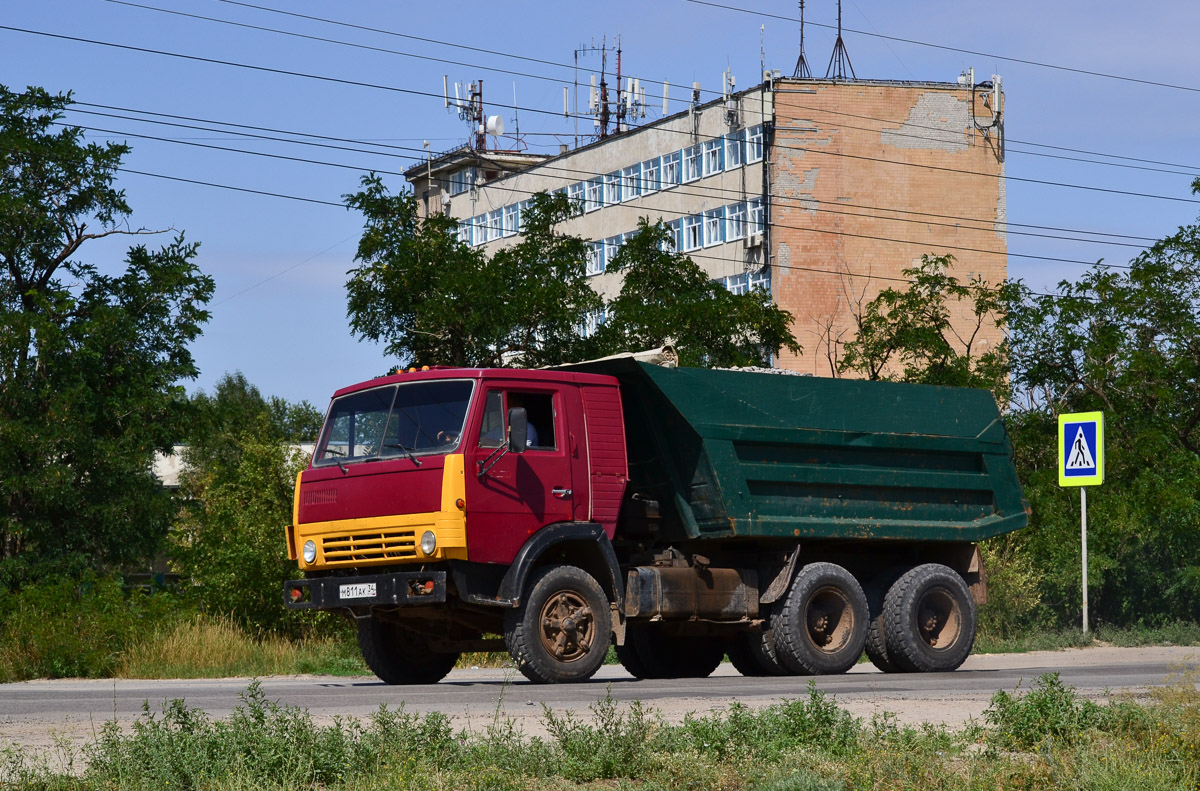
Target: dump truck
[(681, 515)]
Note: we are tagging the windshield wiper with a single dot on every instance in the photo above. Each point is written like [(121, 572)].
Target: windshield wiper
[(407, 452)]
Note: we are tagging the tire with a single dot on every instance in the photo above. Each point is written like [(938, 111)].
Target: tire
[(929, 620), (562, 629), (822, 625), (876, 644), (401, 656), (752, 653), (651, 653)]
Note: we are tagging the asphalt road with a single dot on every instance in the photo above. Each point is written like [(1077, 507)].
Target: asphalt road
[(33, 712)]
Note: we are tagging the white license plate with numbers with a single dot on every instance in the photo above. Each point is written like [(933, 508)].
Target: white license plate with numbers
[(364, 590)]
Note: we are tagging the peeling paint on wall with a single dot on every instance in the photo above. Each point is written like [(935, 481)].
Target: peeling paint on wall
[(795, 185), (937, 121)]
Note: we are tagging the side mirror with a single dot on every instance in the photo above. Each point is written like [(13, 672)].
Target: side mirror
[(518, 429)]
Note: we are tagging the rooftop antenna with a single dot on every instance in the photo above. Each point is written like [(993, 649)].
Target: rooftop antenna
[(802, 64), (840, 60)]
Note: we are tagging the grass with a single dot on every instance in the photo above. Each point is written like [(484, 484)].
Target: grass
[(1177, 633), (204, 647), (1046, 738)]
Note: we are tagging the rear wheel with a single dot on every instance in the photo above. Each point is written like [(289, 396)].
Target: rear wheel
[(562, 629), (876, 644), (649, 652), (402, 656), (822, 625), (929, 620), (753, 654)]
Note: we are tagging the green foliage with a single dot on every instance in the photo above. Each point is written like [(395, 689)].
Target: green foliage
[(61, 627), (90, 363), (666, 298), (910, 334), (1014, 584), (238, 483), (614, 746), (433, 300), (1126, 343), (1054, 712), (1048, 738)]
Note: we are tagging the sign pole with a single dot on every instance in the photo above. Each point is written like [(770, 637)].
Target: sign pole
[(1083, 530), (1081, 463)]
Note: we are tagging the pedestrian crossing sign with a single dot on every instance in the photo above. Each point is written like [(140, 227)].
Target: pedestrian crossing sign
[(1081, 449)]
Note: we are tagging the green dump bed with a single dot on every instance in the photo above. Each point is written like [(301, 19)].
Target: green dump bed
[(733, 453)]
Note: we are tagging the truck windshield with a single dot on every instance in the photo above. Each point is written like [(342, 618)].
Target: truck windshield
[(419, 418)]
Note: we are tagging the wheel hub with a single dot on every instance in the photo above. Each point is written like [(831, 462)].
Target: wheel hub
[(567, 632)]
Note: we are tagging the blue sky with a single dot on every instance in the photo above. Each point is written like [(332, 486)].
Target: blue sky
[(280, 264)]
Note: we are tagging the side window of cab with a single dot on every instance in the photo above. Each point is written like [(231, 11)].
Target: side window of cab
[(539, 407)]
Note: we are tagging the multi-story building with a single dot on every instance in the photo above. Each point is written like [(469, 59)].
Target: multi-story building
[(820, 191)]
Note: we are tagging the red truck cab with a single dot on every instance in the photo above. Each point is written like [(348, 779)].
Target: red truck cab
[(416, 494)]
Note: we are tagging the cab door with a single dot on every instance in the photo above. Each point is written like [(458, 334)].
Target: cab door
[(510, 496)]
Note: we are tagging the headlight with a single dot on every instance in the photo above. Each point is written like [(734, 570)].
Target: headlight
[(310, 552), (428, 542)]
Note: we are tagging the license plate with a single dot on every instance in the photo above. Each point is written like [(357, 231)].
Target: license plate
[(364, 590)]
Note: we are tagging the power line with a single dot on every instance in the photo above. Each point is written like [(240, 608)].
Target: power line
[(414, 92), (689, 255), (668, 211), (987, 223), (563, 65), (993, 56)]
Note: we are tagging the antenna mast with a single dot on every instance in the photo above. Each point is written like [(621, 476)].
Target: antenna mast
[(801, 63), (840, 60)]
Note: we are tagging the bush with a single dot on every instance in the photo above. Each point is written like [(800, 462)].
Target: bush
[(76, 627)]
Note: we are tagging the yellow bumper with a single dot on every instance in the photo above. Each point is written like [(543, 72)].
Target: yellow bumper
[(386, 540)]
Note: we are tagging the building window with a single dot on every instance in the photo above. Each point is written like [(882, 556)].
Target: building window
[(754, 143), (593, 194), (712, 156), (714, 222), (670, 170), (673, 242), (495, 221), (733, 150), (736, 284), (754, 212), (735, 221), (592, 322), (464, 231), (761, 279), (595, 259), (511, 213), (460, 181), (650, 176), (692, 232), (691, 163), (612, 189), (575, 193), (631, 182), (612, 246)]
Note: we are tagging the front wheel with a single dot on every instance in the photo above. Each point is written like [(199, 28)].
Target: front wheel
[(402, 656), (929, 619), (562, 629)]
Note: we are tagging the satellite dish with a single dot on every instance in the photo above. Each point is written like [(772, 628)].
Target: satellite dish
[(495, 125)]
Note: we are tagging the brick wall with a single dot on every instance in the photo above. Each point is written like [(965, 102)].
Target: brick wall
[(856, 171)]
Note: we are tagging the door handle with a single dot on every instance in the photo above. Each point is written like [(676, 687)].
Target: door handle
[(562, 494)]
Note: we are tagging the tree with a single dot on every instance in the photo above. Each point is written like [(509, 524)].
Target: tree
[(90, 363), (1126, 343), (433, 300), (907, 334), (237, 484), (667, 298)]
